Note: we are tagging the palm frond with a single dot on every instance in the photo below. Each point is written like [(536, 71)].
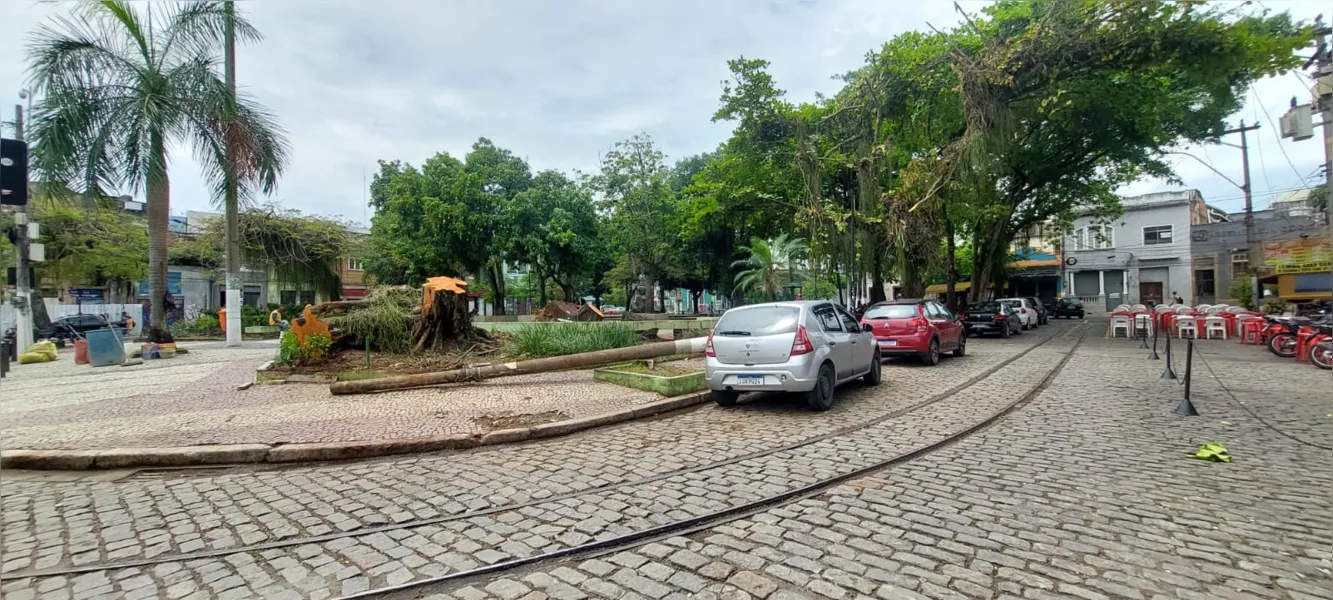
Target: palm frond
[(198, 28)]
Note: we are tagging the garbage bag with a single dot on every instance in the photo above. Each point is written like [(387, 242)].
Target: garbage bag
[(46, 347), (28, 358)]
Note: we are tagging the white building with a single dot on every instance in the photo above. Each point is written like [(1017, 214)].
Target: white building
[(1142, 255)]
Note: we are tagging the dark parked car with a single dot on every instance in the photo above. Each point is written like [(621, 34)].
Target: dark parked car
[(1068, 308), (1043, 315), (992, 317), (83, 323)]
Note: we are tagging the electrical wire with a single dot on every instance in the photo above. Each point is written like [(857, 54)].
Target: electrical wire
[(1268, 116)]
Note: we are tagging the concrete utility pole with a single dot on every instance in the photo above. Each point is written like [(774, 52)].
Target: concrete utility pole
[(22, 284), (1251, 239), (1324, 90), (234, 283)]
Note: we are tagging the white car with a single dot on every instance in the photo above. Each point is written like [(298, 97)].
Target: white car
[(1027, 313)]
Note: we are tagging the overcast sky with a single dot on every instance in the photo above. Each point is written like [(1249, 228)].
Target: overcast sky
[(558, 82)]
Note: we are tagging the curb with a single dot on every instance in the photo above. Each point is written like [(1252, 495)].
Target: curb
[(240, 454)]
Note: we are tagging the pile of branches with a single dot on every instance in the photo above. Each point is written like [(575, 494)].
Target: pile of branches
[(558, 310)]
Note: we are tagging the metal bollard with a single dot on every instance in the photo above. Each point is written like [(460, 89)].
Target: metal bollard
[(1153, 355), (1186, 407), (1169, 372), (4, 358)]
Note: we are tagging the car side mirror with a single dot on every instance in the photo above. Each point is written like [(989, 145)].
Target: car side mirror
[(867, 327)]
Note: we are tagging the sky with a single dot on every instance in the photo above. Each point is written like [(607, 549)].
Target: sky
[(559, 82)]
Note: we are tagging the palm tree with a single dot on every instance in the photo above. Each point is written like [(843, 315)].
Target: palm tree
[(121, 87), (767, 262)]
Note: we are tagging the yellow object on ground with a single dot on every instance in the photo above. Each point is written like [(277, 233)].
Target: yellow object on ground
[(47, 347), (28, 358), (1213, 451)]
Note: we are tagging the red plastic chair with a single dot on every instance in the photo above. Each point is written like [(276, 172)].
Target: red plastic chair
[(1251, 330)]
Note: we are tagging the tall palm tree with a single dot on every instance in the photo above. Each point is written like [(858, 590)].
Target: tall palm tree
[(767, 263), (120, 88)]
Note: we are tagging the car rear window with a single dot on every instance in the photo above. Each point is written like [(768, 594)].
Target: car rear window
[(891, 311), (989, 306), (764, 320), (1013, 303)]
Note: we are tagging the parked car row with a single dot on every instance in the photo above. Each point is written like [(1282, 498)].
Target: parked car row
[(811, 347)]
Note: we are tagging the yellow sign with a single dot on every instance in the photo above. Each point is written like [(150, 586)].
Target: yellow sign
[(1309, 255)]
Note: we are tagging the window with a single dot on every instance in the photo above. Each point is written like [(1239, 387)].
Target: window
[(935, 311), (1156, 235), (848, 321), (1205, 283), (891, 311), (307, 297), (1094, 237), (1311, 282), (1240, 263), (354, 265), (287, 297), (765, 320), (827, 318)]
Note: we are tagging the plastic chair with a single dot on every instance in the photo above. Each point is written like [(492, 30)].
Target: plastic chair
[(1119, 322), (1144, 321), (1213, 325), (1184, 309), (1250, 330), (1121, 308), (1188, 323), (1138, 307)]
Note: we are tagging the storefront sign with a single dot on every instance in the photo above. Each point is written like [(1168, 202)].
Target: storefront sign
[(1308, 255)]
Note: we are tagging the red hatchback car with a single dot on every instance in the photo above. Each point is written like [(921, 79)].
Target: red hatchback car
[(923, 328)]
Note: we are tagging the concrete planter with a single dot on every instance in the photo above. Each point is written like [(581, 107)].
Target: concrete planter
[(667, 386)]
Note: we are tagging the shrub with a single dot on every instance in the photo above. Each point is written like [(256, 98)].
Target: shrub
[(1275, 306), (551, 339), (204, 324), (1242, 292), (292, 352)]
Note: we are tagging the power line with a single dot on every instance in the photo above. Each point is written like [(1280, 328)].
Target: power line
[(1275, 128)]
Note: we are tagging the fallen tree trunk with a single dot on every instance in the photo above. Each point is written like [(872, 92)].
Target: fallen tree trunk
[(323, 307), (540, 365)]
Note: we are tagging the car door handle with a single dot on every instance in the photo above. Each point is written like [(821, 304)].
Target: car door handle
[(832, 343)]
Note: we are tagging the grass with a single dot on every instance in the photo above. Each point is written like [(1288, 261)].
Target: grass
[(659, 369), (548, 339)]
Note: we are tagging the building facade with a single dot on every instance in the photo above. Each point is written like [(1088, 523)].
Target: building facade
[(1295, 260), (1143, 255)]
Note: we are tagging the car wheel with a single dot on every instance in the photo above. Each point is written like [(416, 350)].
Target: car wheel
[(932, 355), (725, 397), (961, 350), (1024, 326), (876, 370), (821, 398), (1004, 331)]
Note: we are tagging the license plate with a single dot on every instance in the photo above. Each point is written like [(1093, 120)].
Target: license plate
[(749, 380), (888, 342)]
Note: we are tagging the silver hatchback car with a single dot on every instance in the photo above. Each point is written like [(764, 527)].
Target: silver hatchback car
[(806, 347)]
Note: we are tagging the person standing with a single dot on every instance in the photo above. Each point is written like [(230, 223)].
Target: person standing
[(1175, 298)]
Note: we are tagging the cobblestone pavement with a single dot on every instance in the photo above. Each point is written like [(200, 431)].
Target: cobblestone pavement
[(1076, 493), (192, 400)]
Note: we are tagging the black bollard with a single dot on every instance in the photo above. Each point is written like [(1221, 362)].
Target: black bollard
[(1168, 372), (1186, 407), (4, 358), (1154, 356)]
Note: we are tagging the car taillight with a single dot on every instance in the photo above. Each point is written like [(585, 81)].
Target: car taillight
[(801, 345), (708, 348), (999, 317), (920, 324)]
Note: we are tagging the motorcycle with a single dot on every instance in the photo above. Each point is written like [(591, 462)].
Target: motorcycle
[(1319, 346), (1283, 333)]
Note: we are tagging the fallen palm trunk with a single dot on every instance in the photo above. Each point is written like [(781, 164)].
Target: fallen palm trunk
[(541, 365)]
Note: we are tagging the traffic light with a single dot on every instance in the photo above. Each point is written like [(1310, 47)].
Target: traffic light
[(13, 172)]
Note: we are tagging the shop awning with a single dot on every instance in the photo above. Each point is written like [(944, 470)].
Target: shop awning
[(942, 288)]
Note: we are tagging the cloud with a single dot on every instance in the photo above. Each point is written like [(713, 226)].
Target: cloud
[(556, 82)]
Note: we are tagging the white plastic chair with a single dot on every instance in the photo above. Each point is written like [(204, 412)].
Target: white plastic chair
[(1203, 307), (1213, 325), (1144, 322), (1184, 308), (1121, 307), (1187, 323), (1139, 307), (1162, 308), (1120, 322)]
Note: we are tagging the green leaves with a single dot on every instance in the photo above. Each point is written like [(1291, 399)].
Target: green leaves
[(1212, 451)]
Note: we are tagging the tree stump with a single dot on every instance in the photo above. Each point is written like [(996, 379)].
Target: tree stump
[(445, 316)]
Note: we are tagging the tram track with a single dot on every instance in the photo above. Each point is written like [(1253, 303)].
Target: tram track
[(634, 537)]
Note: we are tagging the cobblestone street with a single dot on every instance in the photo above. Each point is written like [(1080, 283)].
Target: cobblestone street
[(1047, 465)]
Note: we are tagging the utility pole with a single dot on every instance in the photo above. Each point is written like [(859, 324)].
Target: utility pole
[(1324, 97), (22, 284), (1251, 239), (234, 283)]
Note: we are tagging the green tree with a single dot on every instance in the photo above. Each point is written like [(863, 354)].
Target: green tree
[(770, 265), (120, 87), (553, 227), (448, 218), (642, 208)]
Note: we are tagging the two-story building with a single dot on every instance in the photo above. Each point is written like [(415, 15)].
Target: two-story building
[(1142, 255), (1295, 255)]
